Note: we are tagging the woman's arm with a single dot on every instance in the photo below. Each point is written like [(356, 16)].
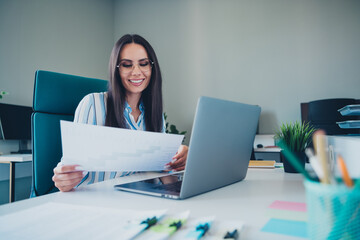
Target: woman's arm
[(66, 177)]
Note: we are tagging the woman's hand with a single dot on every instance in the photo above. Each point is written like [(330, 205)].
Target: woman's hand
[(179, 160), (66, 177)]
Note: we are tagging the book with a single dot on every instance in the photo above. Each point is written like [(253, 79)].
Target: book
[(261, 164)]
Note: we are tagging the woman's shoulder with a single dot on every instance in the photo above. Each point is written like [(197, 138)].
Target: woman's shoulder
[(96, 94), (93, 96)]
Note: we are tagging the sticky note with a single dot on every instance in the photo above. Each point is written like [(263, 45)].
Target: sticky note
[(291, 206), (288, 215), (286, 227)]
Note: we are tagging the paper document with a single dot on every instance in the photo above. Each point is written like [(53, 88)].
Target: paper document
[(68, 221), (99, 148)]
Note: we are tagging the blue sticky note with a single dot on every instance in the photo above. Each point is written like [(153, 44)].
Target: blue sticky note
[(286, 227)]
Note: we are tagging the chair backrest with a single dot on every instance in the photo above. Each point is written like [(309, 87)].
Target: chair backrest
[(323, 114), (56, 97)]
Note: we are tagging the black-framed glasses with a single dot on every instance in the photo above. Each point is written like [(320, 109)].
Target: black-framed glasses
[(127, 66)]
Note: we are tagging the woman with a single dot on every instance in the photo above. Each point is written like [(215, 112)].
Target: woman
[(134, 101)]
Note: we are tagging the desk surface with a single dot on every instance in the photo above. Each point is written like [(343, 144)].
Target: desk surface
[(15, 158), (245, 201)]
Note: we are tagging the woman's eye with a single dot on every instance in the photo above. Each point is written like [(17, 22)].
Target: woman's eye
[(126, 65), (143, 64)]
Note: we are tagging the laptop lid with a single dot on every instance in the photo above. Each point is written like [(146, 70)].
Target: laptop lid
[(220, 147)]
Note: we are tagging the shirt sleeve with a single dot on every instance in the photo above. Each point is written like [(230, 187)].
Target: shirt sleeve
[(85, 111), (164, 125)]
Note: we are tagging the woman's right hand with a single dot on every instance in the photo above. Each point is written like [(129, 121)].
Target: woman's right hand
[(66, 177)]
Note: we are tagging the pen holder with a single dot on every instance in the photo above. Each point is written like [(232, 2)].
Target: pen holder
[(333, 211)]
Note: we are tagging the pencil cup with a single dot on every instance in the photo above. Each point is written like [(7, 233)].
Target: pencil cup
[(333, 211)]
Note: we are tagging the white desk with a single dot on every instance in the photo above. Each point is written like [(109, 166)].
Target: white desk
[(12, 160), (246, 201)]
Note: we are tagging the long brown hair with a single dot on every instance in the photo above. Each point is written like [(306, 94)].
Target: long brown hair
[(151, 96)]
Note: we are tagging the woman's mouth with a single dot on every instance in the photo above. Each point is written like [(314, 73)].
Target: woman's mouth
[(136, 82)]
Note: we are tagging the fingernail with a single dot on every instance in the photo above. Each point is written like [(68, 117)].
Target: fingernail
[(79, 168), (84, 173)]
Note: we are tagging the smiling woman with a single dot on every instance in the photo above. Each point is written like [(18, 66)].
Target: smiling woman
[(133, 101)]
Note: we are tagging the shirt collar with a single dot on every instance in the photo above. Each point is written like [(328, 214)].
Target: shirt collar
[(141, 107)]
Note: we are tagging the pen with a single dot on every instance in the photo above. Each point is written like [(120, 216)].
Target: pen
[(345, 174), (320, 146), (314, 162)]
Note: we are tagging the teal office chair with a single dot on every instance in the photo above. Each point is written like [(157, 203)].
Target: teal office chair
[(56, 97)]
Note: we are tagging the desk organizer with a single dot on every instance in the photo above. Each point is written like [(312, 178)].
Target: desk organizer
[(333, 211), (350, 110)]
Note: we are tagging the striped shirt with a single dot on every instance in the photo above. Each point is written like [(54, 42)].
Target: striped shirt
[(92, 110)]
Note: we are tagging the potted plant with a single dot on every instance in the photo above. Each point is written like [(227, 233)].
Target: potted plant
[(297, 136), (171, 128), (2, 93)]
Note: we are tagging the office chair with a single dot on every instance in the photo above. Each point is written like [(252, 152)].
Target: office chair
[(56, 97), (323, 114)]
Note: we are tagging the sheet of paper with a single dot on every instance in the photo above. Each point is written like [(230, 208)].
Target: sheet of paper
[(64, 221), (99, 148)]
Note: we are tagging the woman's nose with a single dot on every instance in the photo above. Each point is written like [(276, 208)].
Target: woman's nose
[(136, 70)]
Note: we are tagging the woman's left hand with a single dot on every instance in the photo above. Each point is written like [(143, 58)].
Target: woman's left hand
[(179, 160)]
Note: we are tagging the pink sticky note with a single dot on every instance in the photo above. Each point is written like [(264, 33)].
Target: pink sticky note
[(291, 206)]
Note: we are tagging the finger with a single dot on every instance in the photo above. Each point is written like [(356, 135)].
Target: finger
[(68, 176), (67, 168), (68, 184), (179, 169), (65, 188), (178, 163), (179, 155)]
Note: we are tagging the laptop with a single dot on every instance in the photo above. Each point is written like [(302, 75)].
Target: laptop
[(220, 147)]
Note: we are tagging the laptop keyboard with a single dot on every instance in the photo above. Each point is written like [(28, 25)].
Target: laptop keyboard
[(173, 187)]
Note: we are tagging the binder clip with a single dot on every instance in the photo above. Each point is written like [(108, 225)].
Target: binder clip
[(150, 222), (204, 228), (177, 225), (232, 235)]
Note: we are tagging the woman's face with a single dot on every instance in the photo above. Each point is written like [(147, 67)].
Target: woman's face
[(134, 68)]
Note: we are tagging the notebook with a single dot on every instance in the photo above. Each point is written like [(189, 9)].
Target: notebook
[(220, 147), (262, 164)]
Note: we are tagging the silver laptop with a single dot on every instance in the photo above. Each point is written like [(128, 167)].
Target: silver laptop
[(219, 152)]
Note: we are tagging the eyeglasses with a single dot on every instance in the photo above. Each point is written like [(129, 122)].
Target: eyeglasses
[(127, 66)]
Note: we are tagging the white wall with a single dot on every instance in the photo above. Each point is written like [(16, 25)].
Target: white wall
[(275, 53), (69, 36)]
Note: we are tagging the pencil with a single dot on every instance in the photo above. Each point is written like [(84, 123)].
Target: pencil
[(345, 174), (320, 147)]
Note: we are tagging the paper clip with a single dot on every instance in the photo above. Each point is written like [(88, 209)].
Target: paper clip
[(150, 222), (204, 228), (232, 235), (177, 225)]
